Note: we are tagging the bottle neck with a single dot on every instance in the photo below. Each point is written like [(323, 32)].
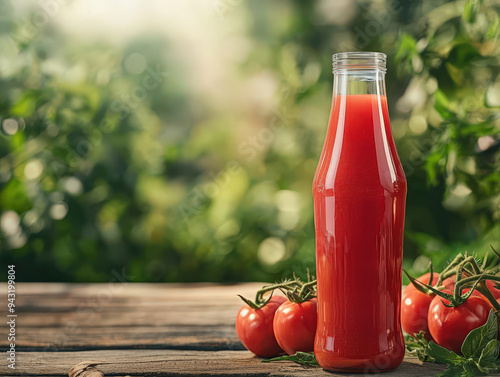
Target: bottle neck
[(359, 82)]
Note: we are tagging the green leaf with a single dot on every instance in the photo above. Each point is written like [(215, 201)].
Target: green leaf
[(494, 28), (432, 166), (442, 104), (407, 50), (304, 358), (443, 355), (453, 371), (490, 352), (478, 338), (407, 47), (481, 368), (473, 369), (477, 129), (470, 10)]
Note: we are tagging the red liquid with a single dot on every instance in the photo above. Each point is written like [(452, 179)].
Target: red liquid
[(359, 204)]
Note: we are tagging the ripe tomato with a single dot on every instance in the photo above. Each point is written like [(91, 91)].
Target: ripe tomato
[(295, 326), (415, 305), (494, 291), (255, 328), (450, 326)]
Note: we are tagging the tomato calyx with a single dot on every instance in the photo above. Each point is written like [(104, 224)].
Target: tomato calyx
[(478, 276), (468, 275), (457, 298), (255, 305), (449, 271), (303, 293), (295, 290), (260, 300), (416, 282)]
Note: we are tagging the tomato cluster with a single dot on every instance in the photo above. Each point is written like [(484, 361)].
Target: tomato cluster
[(446, 315), (278, 325)]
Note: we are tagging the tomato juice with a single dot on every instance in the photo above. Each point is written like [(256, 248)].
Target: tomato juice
[(359, 203)]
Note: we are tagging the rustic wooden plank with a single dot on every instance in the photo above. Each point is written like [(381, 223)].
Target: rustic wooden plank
[(71, 316), (165, 337), (167, 290), (138, 316), (183, 363)]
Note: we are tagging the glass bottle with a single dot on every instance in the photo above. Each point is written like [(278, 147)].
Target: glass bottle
[(359, 205)]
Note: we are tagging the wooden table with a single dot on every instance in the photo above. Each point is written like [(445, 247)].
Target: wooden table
[(134, 329)]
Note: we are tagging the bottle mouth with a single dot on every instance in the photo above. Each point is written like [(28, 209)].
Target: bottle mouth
[(343, 62)]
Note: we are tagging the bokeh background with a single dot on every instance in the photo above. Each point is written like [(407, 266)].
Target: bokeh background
[(177, 140)]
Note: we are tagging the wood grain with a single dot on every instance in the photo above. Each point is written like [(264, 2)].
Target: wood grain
[(125, 329), (184, 363), (61, 317)]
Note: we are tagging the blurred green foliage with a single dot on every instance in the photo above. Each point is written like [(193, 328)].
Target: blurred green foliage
[(112, 155)]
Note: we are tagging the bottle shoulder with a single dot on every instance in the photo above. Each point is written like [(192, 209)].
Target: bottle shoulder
[(375, 189), (359, 152), (340, 175)]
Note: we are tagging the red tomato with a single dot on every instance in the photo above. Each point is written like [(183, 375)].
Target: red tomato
[(450, 326), (494, 291), (415, 305), (295, 326), (255, 328)]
